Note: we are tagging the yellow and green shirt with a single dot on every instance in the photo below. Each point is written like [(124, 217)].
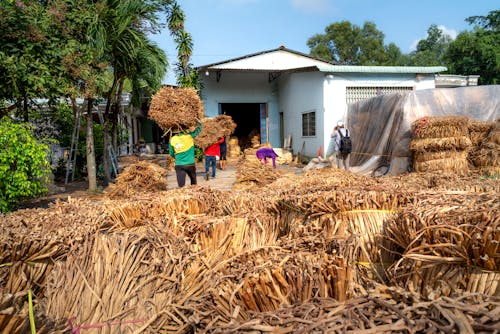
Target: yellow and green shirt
[(181, 146)]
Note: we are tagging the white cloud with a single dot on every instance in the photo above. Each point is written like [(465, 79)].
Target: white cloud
[(450, 32), (312, 6)]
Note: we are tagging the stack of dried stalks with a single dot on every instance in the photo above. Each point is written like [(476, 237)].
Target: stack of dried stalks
[(176, 108), (384, 310), (449, 243), (441, 143), (486, 156), (139, 177), (233, 148)]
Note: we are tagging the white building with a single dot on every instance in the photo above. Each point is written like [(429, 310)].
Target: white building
[(283, 93)]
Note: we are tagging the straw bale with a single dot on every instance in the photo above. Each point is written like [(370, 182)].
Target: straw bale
[(481, 126), (460, 166), (211, 131), (440, 127), (139, 177), (226, 123), (439, 155), (484, 157), (177, 108), (440, 144)]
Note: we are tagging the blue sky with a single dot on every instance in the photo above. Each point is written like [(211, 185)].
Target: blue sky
[(224, 29)]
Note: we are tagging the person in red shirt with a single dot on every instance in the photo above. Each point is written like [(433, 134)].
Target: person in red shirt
[(211, 154)]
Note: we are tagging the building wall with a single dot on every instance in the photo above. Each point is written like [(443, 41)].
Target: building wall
[(296, 93), (300, 93), (243, 87)]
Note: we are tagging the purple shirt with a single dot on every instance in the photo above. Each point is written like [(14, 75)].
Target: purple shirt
[(265, 152)]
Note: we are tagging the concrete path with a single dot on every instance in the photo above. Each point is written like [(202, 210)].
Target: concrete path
[(224, 179)]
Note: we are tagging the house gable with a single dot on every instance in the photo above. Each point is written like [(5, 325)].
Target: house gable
[(280, 59)]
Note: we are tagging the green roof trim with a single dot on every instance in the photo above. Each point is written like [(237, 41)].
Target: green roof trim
[(380, 69)]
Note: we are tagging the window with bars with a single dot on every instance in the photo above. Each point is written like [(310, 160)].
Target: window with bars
[(355, 94), (309, 124)]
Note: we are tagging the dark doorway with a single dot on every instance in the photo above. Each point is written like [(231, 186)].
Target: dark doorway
[(247, 119)]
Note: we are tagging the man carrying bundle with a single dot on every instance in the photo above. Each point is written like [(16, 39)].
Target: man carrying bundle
[(211, 154), (181, 147)]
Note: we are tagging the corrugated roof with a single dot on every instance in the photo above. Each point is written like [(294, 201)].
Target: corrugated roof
[(380, 69)]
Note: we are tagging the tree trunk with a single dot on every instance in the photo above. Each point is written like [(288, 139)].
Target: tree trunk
[(91, 167)]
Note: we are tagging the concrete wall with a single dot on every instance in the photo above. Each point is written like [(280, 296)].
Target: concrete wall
[(301, 93)]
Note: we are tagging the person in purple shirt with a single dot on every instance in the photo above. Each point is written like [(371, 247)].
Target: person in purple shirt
[(266, 152)]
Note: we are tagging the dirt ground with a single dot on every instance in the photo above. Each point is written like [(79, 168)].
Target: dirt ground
[(224, 180)]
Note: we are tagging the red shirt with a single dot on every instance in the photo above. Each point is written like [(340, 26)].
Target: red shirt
[(214, 150)]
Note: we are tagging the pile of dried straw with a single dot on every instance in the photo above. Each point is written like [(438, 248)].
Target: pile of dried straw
[(139, 177), (176, 108)]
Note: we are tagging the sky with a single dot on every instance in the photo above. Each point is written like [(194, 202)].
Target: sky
[(226, 29)]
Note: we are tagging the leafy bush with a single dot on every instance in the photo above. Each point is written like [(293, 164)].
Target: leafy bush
[(24, 167)]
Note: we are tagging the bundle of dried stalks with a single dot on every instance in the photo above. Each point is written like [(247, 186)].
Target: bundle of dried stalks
[(478, 131), (460, 166), (233, 148), (34, 239), (445, 233), (234, 234), (123, 282), (486, 157), (211, 131), (441, 182), (227, 124), (440, 144), (139, 177), (176, 108), (384, 310), (440, 127), (14, 315), (252, 172)]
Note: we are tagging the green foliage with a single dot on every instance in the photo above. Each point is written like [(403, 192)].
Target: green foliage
[(349, 44), (198, 153), (24, 167), (478, 51)]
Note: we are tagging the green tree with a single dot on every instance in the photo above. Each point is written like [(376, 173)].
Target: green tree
[(431, 50), (31, 53), (349, 44), (24, 167), (478, 51)]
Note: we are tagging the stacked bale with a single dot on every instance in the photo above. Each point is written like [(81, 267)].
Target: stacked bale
[(214, 128), (485, 155), (441, 143), (176, 108), (233, 148)]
